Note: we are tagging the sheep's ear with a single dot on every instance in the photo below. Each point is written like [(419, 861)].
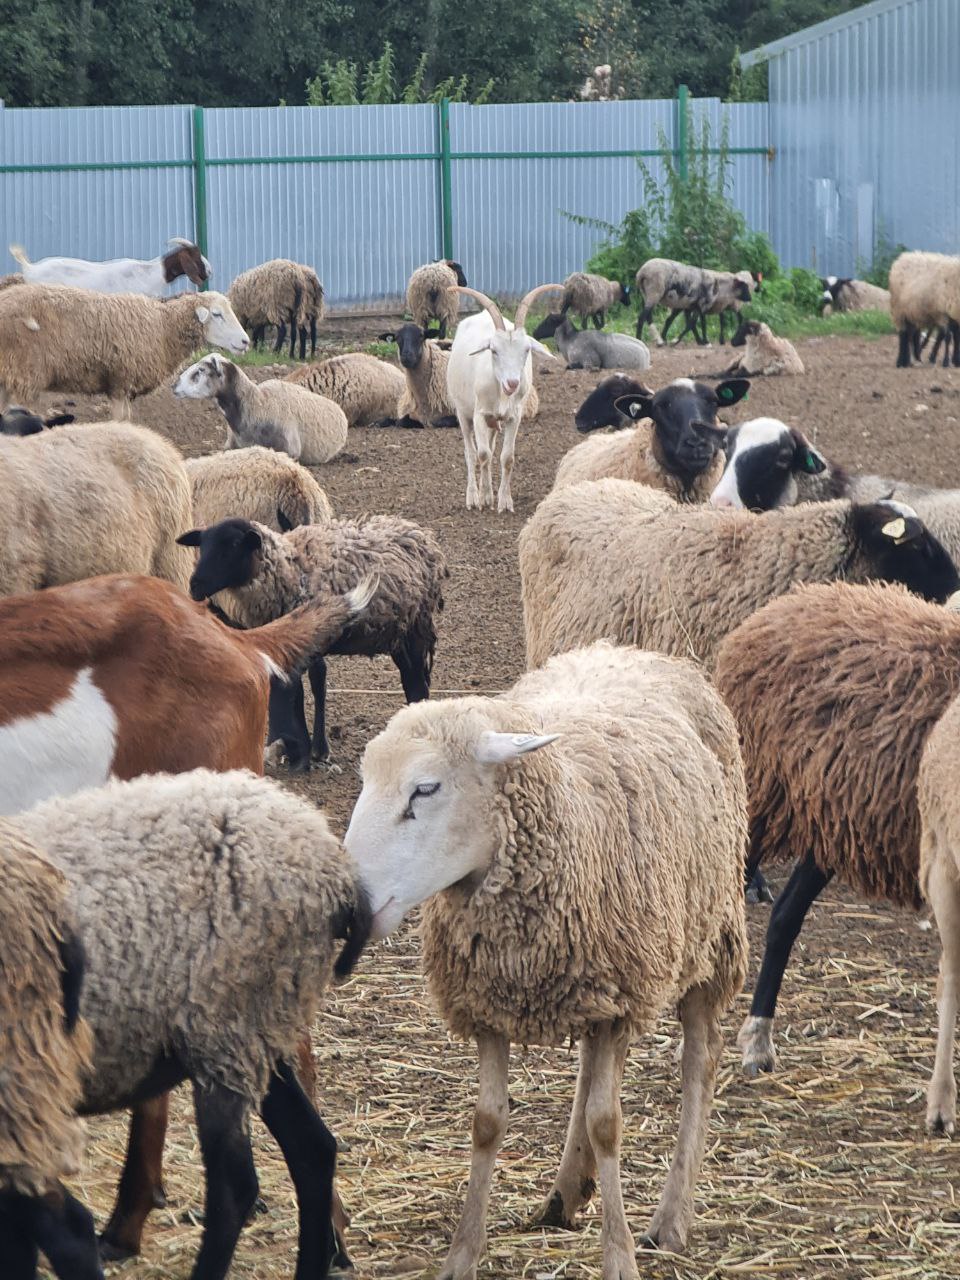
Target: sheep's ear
[(387, 337), (502, 748), (203, 314), (732, 390), (805, 457), (484, 346), (191, 539), (216, 362), (252, 540), (634, 405), (539, 348)]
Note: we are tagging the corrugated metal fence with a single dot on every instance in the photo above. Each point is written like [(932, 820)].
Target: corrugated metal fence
[(364, 194)]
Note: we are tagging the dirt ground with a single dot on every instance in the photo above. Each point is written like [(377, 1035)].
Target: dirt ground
[(822, 1169)]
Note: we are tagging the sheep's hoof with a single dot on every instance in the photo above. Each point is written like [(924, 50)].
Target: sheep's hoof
[(755, 1042), (110, 1252)]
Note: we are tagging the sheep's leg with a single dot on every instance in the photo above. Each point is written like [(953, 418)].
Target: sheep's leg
[(442, 328), (281, 337), (507, 451), (310, 1152), (903, 354), (937, 343), (670, 319), (141, 1186), (598, 319), (259, 334), (702, 1045), (223, 1128), (470, 454), (576, 1178), (56, 1223), (604, 1055), (288, 721), (723, 320), (17, 1247), (955, 336), (119, 409), (755, 1038), (489, 1126), (313, 335), (484, 441), (645, 316), (943, 892), (411, 662), (317, 673)]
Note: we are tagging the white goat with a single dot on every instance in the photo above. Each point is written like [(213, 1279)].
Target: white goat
[(120, 275), (488, 393)]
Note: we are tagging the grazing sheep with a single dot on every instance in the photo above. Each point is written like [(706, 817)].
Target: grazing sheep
[(261, 575), (924, 294), (834, 689), (583, 350), (45, 1049), (365, 388), (679, 448), (662, 281), (489, 379), (724, 292), (120, 275), (311, 311), (598, 560), (279, 293), (763, 353), (574, 894), (106, 497), (257, 484), (429, 295), (210, 905), (588, 296), (54, 338), (18, 421), (844, 294), (276, 414)]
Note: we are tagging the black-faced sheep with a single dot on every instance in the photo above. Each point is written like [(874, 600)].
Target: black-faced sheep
[(924, 294), (423, 400), (279, 293), (763, 352), (846, 294), (584, 350), (18, 421)]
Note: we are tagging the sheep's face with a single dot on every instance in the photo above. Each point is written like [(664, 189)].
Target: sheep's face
[(221, 328), (687, 436), (510, 350), (410, 340), (764, 458), (229, 556), (892, 544), (427, 817), (747, 329), (203, 379)]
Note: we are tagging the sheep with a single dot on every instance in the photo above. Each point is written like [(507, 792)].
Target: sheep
[(8, 281), (54, 338), (278, 293), (106, 497), (845, 294), (45, 1049), (261, 575), (258, 484), (662, 281), (600, 407), (311, 311), (924, 292), (763, 352), (120, 275), (602, 560), (423, 398), (489, 393), (277, 414), (588, 296), (18, 421), (583, 350), (210, 905), (571, 894), (429, 295), (724, 292), (365, 388), (834, 689), (679, 448)]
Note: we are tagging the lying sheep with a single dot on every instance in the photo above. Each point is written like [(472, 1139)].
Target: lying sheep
[(679, 448), (924, 294), (261, 575), (45, 1051), (18, 421), (599, 409), (429, 295), (423, 399), (589, 296), (845, 294), (106, 497), (763, 352), (835, 690), (280, 293), (257, 484), (211, 905), (583, 350), (571, 894), (276, 414), (365, 388), (597, 561), (120, 275), (53, 338)]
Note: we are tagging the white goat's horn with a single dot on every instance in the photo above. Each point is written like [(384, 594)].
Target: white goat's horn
[(527, 299), (488, 304)]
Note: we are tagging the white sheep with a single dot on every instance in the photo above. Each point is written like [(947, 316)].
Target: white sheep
[(845, 294), (365, 388), (275, 413), (924, 293), (257, 484), (429, 295), (764, 352), (120, 275)]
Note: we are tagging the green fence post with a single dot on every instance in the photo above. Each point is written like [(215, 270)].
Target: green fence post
[(446, 184), (200, 183), (683, 94)]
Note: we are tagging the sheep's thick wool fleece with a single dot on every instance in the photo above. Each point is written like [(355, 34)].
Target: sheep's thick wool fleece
[(41, 1063), (205, 903), (617, 883), (255, 483), (634, 455), (835, 690)]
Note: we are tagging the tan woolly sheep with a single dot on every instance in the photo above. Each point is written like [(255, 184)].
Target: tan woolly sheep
[(276, 414), (365, 388), (7, 282), (589, 296), (572, 894), (845, 294), (607, 559), (924, 293), (53, 338), (429, 297), (210, 905), (279, 293), (258, 484), (107, 497), (763, 353)]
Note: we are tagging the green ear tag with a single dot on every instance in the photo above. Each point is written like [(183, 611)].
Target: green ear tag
[(746, 395), (726, 393), (809, 462)]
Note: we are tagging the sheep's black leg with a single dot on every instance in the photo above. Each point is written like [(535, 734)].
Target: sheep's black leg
[(701, 337), (288, 721), (317, 671), (281, 337), (302, 331), (259, 333), (231, 1177), (723, 317), (598, 319), (955, 336), (141, 1187), (786, 920), (413, 665), (903, 355), (442, 329), (645, 316), (937, 343), (17, 1247), (670, 319), (756, 888), (293, 333), (60, 1226), (310, 1151), (313, 335)]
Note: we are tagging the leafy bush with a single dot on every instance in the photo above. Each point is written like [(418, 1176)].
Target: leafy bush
[(340, 84)]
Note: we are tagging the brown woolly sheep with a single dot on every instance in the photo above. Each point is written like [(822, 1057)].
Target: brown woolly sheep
[(429, 297), (924, 294), (589, 296), (279, 293)]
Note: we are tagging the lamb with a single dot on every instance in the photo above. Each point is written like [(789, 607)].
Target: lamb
[(662, 281), (106, 497), (845, 294), (120, 275), (258, 484), (54, 338), (279, 293), (924, 293), (835, 690), (600, 560), (578, 845), (429, 295), (45, 1049), (210, 905), (276, 414), (679, 448), (763, 352), (261, 575), (365, 388), (588, 296), (18, 421), (583, 350), (489, 394)]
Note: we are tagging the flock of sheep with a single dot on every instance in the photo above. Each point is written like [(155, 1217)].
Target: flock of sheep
[(737, 651)]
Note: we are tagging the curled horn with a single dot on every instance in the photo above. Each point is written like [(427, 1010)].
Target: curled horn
[(528, 298), (487, 303)]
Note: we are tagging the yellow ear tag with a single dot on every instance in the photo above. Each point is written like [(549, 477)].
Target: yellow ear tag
[(895, 529)]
